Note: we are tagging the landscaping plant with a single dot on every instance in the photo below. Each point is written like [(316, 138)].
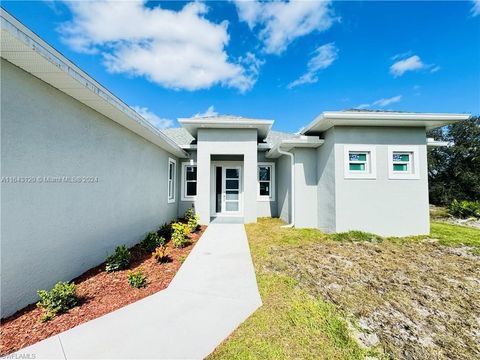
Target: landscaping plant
[(165, 231), (61, 298), (189, 213), (180, 234), (119, 260), (152, 241), (465, 209), (161, 254), (192, 219), (136, 279)]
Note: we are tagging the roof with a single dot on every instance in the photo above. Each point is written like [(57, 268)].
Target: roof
[(226, 122), (180, 136), (301, 141), (25, 49), (380, 118)]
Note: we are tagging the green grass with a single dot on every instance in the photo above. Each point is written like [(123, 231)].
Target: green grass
[(454, 235), (291, 324), (295, 322)]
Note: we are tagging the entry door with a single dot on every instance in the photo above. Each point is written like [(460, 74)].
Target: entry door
[(231, 189)]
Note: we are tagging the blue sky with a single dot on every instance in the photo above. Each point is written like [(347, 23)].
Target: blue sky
[(282, 61)]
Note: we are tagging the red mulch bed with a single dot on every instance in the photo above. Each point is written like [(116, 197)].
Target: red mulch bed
[(100, 293)]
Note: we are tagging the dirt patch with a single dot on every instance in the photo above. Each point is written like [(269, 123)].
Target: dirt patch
[(100, 293), (421, 299)]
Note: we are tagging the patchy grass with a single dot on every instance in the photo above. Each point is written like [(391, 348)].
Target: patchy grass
[(352, 295)]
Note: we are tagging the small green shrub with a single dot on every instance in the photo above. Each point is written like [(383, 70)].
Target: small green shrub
[(161, 254), (165, 231), (136, 279), (180, 234), (152, 241), (193, 223), (355, 235), (61, 298), (119, 260), (189, 213), (464, 209)]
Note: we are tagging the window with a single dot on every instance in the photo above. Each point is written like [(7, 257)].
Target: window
[(172, 169), (189, 181), (403, 162), (266, 181), (360, 162)]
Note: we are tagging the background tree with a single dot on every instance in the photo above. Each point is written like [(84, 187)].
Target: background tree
[(454, 171)]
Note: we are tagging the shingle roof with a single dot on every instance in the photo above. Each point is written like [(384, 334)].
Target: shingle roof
[(274, 137), (179, 135)]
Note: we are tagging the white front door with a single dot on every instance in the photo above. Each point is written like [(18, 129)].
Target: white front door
[(231, 190)]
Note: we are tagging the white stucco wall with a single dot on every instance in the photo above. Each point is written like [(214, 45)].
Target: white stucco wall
[(227, 142), (55, 231), (306, 188), (389, 207)]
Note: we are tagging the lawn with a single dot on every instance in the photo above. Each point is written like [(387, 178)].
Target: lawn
[(355, 295)]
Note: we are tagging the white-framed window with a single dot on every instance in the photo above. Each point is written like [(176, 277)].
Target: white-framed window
[(172, 171), (403, 162), (189, 181), (266, 181), (360, 162)]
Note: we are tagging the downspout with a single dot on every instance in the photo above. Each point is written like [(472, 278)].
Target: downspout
[(292, 160)]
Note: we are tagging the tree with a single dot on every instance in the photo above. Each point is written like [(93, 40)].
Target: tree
[(454, 171)]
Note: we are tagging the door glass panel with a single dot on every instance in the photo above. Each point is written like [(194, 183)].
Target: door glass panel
[(232, 173), (231, 184), (232, 195), (231, 205)]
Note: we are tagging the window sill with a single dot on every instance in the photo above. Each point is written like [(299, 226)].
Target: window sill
[(265, 198), (350, 176), (171, 201), (189, 198)]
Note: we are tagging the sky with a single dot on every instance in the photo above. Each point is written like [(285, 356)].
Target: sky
[(287, 61)]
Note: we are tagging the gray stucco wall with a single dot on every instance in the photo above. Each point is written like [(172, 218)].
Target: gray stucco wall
[(326, 183), (55, 231), (227, 142), (383, 206), (306, 188), (283, 169)]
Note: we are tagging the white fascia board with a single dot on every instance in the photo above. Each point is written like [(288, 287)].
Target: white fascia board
[(437, 143), (25, 49), (225, 122), (328, 119)]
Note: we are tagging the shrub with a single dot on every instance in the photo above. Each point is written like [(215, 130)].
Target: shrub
[(165, 231), (464, 209), (152, 241), (193, 223), (136, 279), (179, 235), (119, 260), (161, 254), (189, 213), (61, 298)]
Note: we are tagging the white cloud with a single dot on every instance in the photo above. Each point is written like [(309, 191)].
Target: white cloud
[(281, 22), (412, 63), (152, 118), (381, 102), (324, 56), (210, 112), (476, 8), (175, 49)]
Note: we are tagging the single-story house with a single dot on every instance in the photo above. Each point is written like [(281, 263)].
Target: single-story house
[(82, 172)]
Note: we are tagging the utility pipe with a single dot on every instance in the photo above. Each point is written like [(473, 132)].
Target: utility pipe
[(292, 160)]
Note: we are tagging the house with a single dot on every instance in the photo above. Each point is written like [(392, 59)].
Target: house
[(82, 172)]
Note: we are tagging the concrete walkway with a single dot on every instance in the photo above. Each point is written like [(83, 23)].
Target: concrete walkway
[(214, 292)]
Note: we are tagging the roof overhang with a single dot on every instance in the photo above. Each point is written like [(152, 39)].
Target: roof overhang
[(192, 125), (328, 119), (25, 49), (289, 144), (436, 143)]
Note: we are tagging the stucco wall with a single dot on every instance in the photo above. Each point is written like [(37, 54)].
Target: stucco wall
[(55, 231), (283, 169), (306, 188), (383, 206), (326, 182), (227, 142)]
